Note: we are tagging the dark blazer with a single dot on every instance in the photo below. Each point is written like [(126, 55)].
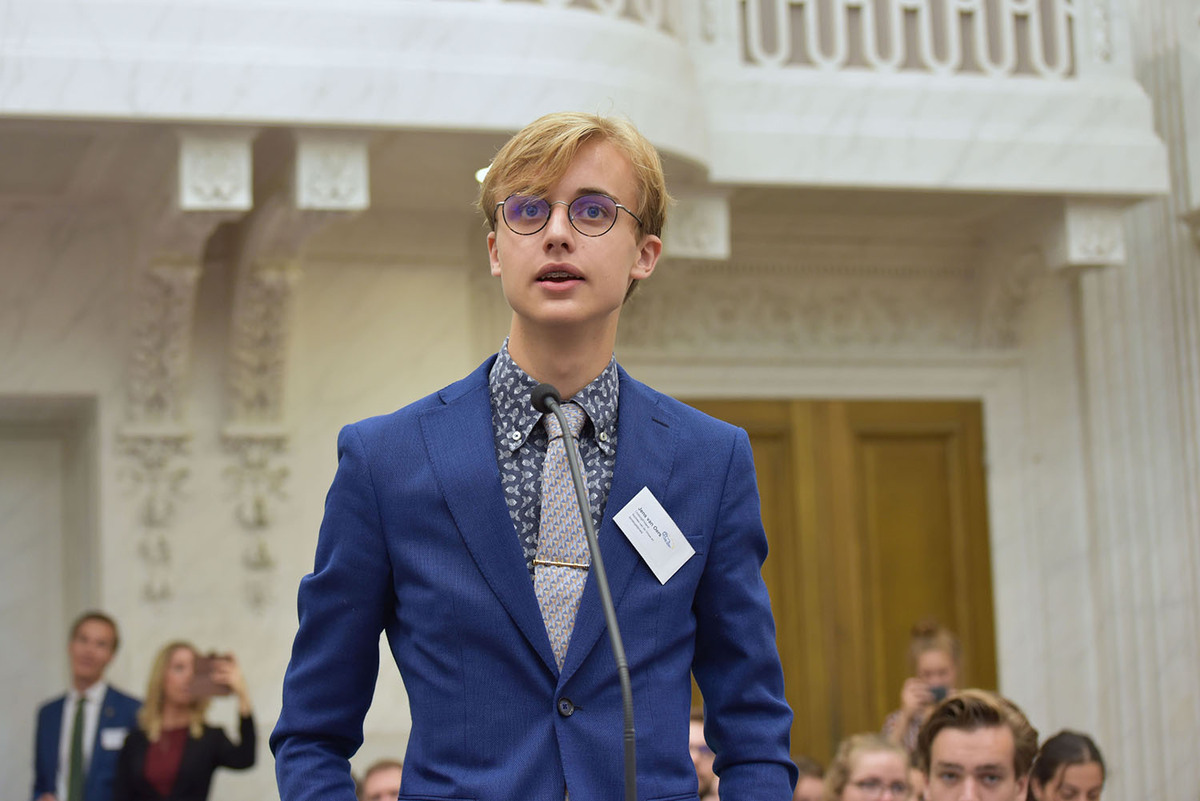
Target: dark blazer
[(118, 716), (417, 541), (201, 758)]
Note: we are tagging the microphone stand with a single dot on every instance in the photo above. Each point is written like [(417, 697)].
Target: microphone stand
[(545, 397)]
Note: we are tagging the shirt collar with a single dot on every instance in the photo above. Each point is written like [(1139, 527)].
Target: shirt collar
[(93, 694), (511, 387)]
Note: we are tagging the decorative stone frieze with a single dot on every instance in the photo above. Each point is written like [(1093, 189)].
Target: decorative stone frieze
[(717, 312), (1004, 292)]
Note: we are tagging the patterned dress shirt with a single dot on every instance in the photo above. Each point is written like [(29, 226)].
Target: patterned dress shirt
[(521, 444)]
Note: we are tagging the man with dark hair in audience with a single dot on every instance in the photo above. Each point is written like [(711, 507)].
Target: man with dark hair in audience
[(976, 745), (381, 782), (80, 734)]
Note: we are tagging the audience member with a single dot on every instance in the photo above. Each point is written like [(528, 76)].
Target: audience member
[(810, 786), (80, 734), (976, 745), (186, 751), (933, 654), (1068, 768), (702, 758), (381, 782), (867, 767)]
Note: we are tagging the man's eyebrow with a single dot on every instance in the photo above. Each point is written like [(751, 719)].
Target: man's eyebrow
[(993, 766), (592, 190), (953, 765)]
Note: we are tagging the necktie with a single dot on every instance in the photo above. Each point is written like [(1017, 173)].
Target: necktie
[(560, 566), (76, 776)]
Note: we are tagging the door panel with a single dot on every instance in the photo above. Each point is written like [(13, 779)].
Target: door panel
[(875, 517)]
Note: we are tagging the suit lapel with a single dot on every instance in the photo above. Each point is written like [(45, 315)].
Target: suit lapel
[(645, 455), (461, 446)]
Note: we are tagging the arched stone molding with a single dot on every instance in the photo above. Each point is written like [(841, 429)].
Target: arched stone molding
[(325, 178), (210, 184)]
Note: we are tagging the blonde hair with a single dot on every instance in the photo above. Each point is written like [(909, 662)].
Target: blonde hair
[(837, 775), (541, 152), (150, 715), (928, 635), (969, 710)]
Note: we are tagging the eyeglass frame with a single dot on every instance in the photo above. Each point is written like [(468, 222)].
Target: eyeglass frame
[(877, 788), (552, 203)]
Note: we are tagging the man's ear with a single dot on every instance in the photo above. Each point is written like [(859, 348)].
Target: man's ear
[(493, 253), (1038, 790), (647, 257)]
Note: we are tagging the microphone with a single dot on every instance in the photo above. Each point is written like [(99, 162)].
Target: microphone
[(545, 399)]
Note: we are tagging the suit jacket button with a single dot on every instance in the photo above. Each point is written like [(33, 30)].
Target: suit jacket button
[(565, 707)]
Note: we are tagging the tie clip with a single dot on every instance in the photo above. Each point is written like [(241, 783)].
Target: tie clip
[(552, 563)]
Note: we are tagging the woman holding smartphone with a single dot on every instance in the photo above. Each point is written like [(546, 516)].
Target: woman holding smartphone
[(173, 753), (933, 653)]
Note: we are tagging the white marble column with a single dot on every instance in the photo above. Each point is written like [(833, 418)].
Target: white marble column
[(1140, 333)]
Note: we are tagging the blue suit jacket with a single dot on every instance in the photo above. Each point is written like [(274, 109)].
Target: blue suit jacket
[(119, 711), (417, 541)]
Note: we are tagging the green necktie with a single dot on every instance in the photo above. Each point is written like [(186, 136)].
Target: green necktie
[(76, 776)]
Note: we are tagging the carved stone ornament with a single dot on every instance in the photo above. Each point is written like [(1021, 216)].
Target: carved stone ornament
[(698, 228), (1087, 234), (215, 172), (332, 172), (1102, 33), (258, 349), (256, 480), (155, 473), (161, 350)]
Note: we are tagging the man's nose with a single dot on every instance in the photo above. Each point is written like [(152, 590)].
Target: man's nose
[(970, 790), (559, 230)]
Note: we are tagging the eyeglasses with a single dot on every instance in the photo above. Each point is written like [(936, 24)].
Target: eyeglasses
[(590, 215), (875, 788)]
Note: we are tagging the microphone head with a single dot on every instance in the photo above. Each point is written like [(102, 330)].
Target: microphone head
[(541, 396)]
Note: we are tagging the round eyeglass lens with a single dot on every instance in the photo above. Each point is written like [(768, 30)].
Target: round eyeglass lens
[(526, 214), (593, 215)]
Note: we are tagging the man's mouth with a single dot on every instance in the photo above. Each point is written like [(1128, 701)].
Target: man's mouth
[(558, 276)]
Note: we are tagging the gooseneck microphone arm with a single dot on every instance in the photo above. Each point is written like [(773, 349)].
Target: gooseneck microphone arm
[(545, 399)]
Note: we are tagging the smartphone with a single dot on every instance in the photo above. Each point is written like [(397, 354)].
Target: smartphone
[(203, 683)]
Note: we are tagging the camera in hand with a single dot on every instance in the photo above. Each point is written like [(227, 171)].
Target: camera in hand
[(938, 692), (204, 685)]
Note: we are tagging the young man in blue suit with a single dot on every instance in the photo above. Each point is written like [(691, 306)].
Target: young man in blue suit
[(105, 713), (434, 532)]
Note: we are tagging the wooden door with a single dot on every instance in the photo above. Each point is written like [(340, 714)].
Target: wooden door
[(875, 515)]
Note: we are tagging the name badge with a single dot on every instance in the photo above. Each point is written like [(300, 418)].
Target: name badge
[(652, 532), (112, 739)]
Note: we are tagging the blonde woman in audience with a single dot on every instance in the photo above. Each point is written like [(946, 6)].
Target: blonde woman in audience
[(933, 654), (868, 767), (173, 753), (1068, 767)]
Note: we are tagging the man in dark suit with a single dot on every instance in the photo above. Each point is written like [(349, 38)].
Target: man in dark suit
[(80, 734), (445, 527)]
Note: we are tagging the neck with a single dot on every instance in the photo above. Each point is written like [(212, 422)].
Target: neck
[(565, 357), (82, 685), (175, 716)]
